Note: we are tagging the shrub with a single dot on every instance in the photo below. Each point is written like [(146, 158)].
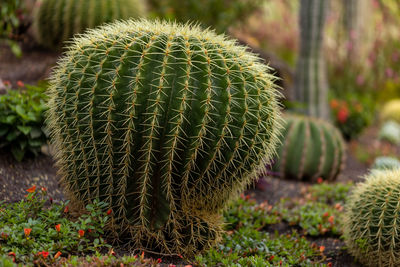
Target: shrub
[(390, 132), (56, 21), (310, 149), (371, 223), (22, 120), (166, 123)]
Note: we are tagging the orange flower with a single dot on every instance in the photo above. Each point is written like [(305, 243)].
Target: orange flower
[(20, 84), (44, 189), (11, 254), (58, 254), (58, 227), (109, 211), (334, 103), (81, 233), (32, 189), (6, 83), (66, 209), (43, 253), (331, 219), (27, 231), (321, 248)]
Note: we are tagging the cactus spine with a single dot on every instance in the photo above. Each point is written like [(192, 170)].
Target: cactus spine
[(310, 149), (311, 86), (166, 123), (372, 225), (58, 20)]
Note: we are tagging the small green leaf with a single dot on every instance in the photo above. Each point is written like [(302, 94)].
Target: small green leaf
[(17, 153), (12, 136), (35, 132), (24, 129)]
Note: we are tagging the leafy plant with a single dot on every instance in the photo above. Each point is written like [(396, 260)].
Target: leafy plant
[(166, 123), (330, 193), (32, 230), (22, 120)]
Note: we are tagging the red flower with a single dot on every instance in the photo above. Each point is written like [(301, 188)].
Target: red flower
[(81, 233), (109, 211), (342, 115), (320, 180), (20, 84), (43, 253), (32, 189), (321, 248), (326, 214), (58, 254), (159, 260), (66, 209), (27, 231), (44, 189), (329, 264), (11, 254), (172, 265), (271, 258), (6, 83), (58, 227)]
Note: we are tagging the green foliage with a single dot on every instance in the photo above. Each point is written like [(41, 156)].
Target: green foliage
[(218, 14), (352, 114), (35, 214), (22, 120), (166, 123), (330, 193), (390, 132), (11, 16), (371, 223), (310, 149), (56, 21), (384, 163), (105, 261)]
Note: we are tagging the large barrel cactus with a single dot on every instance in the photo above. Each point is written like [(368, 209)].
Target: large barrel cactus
[(56, 21), (310, 149), (391, 111), (166, 123), (372, 225)]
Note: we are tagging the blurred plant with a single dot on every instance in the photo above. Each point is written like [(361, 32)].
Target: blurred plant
[(390, 132), (218, 14), (22, 120), (384, 163), (391, 111), (351, 114), (11, 23)]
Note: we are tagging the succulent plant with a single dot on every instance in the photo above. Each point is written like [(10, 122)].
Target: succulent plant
[(372, 227), (385, 163), (391, 111), (166, 123), (390, 132), (310, 148), (56, 21), (311, 86)]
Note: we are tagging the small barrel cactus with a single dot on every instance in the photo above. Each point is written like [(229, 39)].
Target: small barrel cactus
[(391, 111), (166, 123), (390, 132), (372, 226), (310, 149), (56, 21), (385, 163)]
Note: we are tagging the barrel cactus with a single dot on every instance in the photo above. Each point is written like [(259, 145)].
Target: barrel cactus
[(390, 131), (391, 111), (384, 163), (56, 21), (372, 227), (310, 149), (166, 123)]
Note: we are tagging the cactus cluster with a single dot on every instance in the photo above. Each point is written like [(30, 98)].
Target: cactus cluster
[(56, 21), (391, 111), (385, 163), (372, 220), (310, 149), (311, 87), (166, 123), (390, 132)]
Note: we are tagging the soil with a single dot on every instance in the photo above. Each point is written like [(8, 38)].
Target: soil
[(16, 177)]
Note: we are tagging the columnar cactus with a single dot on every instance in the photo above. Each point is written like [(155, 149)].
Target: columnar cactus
[(56, 21), (372, 227), (166, 123), (391, 111), (311, 87), (310, 149)]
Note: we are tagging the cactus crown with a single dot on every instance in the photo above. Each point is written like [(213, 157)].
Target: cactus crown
[(311, 148), (372, 219), (56, 21), (165, 122)]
